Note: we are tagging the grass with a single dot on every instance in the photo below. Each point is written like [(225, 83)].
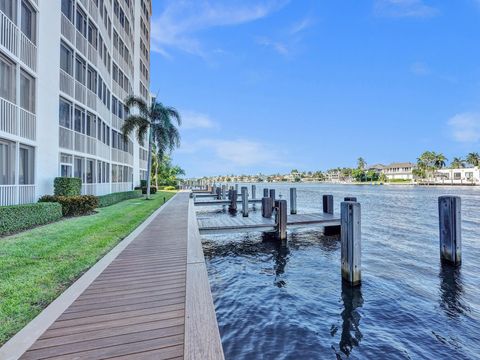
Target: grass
[(36, 266)]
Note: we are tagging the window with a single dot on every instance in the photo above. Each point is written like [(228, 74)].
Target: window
[(66, 162), (9, 8), (27, 92), (90, 171), (67, 9), (78, 168), (92, 35), (7, 162), (91, 79), (29, 22), (91, 125), (66, 59), (81, 22), (7, 79), (80, 69), (26, 170), (79, 124), (65, 114)]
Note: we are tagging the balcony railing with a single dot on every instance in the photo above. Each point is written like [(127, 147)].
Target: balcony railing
[(28, 52), (17, 121), (65, 138), (80, 92), (91, 99), (16, 194), (8, 34), (28, 125), (79, 142), (92, 54), (81, 44), (66, 83), (123, 186), (68, 29)]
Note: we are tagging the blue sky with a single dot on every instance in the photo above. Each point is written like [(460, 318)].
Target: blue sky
[(271, 85)]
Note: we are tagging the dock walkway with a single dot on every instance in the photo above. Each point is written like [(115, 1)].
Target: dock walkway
[(146, 304)]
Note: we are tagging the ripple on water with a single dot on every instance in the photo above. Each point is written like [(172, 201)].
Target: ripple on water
[(288, 302)]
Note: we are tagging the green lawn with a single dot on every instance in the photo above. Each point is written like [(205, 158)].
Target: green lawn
[(36, 266)]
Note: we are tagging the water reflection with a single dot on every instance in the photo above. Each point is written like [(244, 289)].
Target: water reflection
[(351, 335), (280, 252), (451, 291)]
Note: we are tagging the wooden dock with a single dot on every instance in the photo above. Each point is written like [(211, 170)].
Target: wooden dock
[(237, 223), (152, 302)]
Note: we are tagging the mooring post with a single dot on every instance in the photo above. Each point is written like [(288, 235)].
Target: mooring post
[(219, 193), (265, 193), (351, 237), (254, 192), (245, 201), (450, 226), (272, 194), (293, 201), (233, 201), (236, 188), (267, 207), (328, 204), (281, 219), (350, 198), (223, 192)]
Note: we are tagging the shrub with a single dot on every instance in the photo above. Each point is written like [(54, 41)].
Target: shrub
[(143, 183), (169, 188), (22, 217), (73, 205), (110, 199), (66, 186), (153, 190)]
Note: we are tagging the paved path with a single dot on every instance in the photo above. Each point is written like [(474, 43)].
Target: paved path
[(135, 309)]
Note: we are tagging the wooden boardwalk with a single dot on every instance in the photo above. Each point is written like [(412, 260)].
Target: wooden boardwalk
[(255, 223), (136, 308)]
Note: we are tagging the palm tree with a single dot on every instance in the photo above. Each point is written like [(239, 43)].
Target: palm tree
[(155, 120), (440, 161), (473, 159), (457, 163), (361, 163)]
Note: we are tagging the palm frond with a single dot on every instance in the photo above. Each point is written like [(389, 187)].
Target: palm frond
[(130, 123), (132, 102)]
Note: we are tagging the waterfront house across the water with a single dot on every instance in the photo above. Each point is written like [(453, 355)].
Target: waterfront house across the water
[(399, 171)]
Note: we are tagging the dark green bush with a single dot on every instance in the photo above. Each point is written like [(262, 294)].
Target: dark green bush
[(73, 205), (143, 183), (66, 186), (110, 199), (22, 217), (153, 190)]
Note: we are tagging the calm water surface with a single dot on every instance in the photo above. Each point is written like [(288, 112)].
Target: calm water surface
[(287, 302)]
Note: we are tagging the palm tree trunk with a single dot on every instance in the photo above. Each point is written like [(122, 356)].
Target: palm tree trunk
[(156, 174), (149, 161)]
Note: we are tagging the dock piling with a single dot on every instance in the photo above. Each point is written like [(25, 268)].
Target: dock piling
[(328, 204), (233, 201), (254, 191), (449, 211), (293, 201), (245, 201), (265, 192), (281, 219), (351, 237), (267, 207), (272, 194), (350, 198), (219, 193)]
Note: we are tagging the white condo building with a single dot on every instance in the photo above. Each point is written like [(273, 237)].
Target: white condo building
[(66, 67)]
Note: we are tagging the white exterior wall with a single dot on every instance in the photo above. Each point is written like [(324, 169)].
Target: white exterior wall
[(43, 130), (458, 176)]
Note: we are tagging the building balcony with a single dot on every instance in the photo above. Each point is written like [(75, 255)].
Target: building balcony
[(16, 194), (17, 121)]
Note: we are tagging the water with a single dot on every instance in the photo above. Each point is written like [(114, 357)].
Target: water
[(287, 302)]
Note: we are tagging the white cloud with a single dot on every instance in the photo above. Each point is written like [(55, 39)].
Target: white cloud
[(278, 46), (181, 21), (465, 127), (420, 68), (194, 120), (404, 8), (237, 152), (302, 25)]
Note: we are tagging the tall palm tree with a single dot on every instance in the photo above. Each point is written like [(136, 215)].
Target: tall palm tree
[(158, 122), (361, 163), (473, 159), (440, 161), (457, 163)]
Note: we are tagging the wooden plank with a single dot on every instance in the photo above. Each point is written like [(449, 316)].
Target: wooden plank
[(202, 337)]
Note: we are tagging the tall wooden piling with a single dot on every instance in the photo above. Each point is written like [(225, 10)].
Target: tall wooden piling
[(265, 193), (351, 237), (328, 204), (281, 219), (450, 219), (233, 201), (267, 207), (223, 192), (293, 201), (245, 201), (272, 194), (254, 191), (236, 188), (219, 193)]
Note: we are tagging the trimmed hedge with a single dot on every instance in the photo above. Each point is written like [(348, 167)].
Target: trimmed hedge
[(153, 190), (73, 205), (143, 183), (67, 186), (110, 199), (22, 217)]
